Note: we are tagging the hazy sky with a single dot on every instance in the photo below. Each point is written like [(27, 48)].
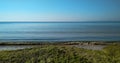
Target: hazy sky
[(59, 10)]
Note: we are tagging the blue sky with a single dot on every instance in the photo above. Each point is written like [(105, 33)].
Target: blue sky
[(59, 10)]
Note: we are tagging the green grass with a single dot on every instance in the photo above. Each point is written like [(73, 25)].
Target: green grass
[(62, 54)]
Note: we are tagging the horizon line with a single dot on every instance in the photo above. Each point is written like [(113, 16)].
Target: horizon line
[(53, 21)]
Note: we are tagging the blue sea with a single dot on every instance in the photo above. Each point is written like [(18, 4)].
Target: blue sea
[(60, 31)]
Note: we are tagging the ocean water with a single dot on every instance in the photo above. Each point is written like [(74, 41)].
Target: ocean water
[(59, 31)]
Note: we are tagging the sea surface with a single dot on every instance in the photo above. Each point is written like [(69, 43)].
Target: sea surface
[(60, 31)]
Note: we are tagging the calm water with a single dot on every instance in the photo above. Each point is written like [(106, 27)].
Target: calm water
[(59, 31)]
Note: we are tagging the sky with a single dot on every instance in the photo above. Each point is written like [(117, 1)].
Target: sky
[(59, 10)]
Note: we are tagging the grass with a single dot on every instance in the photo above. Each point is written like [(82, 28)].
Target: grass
[(62, 54)]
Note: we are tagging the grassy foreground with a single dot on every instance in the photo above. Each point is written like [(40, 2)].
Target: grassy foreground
[(61, 54)]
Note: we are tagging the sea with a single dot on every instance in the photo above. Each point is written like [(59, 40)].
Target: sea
[(60, 31)]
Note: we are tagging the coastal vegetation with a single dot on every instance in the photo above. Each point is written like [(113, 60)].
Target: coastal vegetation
[(62, 54)]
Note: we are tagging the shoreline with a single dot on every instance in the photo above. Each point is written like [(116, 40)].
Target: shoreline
[(60, 43), (90, 45)]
